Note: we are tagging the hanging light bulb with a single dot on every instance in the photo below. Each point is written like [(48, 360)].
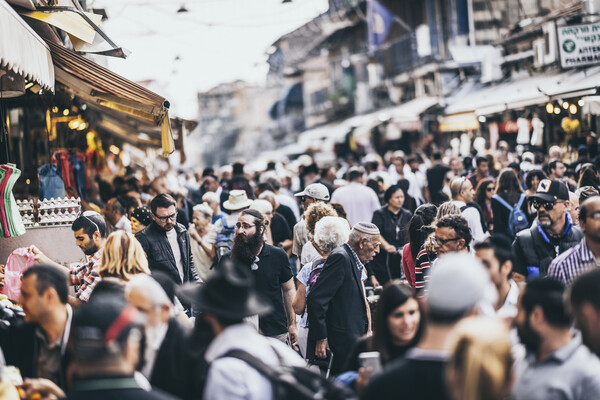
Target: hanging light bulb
[(580, 102), (565, 105), (556, 110), (549, 108), (573, 109)]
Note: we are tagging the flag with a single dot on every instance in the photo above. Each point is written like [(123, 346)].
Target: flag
[(379, 19)]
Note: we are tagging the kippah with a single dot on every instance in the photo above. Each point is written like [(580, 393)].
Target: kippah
[(367, 227)]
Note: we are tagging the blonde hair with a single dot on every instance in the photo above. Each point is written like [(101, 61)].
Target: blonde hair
[(315, 212), (480, 367), (123, 257), (447, 208)]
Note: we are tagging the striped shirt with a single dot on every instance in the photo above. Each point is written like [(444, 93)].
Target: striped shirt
[(572, 263), (422, 266)]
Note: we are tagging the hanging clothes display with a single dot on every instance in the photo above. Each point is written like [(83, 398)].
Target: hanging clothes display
[(71, 167), (51, 183), (11, 223)]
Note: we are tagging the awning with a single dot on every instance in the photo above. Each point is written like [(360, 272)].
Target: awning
[(576, 83), (407, 116), (458, 123), (99, 86), (22, 50)]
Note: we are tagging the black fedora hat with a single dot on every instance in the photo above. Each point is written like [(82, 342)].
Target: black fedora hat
[(229, 293)]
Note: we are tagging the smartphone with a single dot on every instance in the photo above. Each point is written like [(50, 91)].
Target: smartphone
[(370, 359)]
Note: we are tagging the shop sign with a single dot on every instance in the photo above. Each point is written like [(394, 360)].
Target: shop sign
[(510, 126), (579, 45)]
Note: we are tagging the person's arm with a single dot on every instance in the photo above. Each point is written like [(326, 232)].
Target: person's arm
[(299, 303), (289, 292), (368, 309), (193, 273), (44, 259), (519, 273)]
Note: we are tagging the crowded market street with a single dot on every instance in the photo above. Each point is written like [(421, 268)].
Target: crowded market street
[(302, 199)]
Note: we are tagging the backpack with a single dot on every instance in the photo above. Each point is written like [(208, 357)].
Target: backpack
[(517, 220), (294, 382)]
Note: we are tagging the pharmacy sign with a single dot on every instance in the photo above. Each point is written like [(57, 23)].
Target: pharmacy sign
[(579, 45)]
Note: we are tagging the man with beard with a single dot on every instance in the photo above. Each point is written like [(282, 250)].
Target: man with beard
[(272, 274), (168, 363), (338, 314), (585, 303), (89, 230), (167, 243), (552, 234), (558, 365)]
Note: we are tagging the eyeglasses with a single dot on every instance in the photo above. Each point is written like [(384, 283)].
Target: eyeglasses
[(302, 198), (442, 242), (86, 215), (490, 189), (243, 226), (594, 216), (171, 217), (548, 206)]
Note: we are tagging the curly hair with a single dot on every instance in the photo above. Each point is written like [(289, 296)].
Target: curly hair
[(459, 224), (315, 212), (123, 257)]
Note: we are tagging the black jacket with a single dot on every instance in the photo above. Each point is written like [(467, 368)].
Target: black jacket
[(177, 370), (533, 252), (21, 347), (336, 306), (113, 388), (160, 256)]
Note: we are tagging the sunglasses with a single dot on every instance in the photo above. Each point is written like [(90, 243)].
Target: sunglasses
[(442, 242), (490, 189), (171, 217), (461, 184), (86, 215), (548, 206)]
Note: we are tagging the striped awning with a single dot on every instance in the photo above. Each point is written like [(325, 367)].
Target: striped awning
[(22, 51)]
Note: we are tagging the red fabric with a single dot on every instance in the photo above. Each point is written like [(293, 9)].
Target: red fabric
[(408, 265)]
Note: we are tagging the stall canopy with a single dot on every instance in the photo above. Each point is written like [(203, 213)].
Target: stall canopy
[(100, 87), (407, 116), (22, 50)]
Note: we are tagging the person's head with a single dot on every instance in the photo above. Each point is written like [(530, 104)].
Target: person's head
[(480, 366), (238, 200), (419, 227), (146, 295), (585, 305), (533, 178), (447, 208), (115, 209), (44, 289), (554, 152), (398, 160), (89, 229), (456, 166), (315, 212), (313, 193), (105, 338), (159, 185), (331, 232), (123, 257), (551, 201), (508, 183), (457, 286), (485, 190), (496, 255), (542, 312), (355, 175), (264, 207), (140, 219), (263, 187), (213, 201), (210, 183), (397, 320), (462, 189), (249, 235), (588, 176), (364, 240), (270, 197), (587, 192), (164, 211), (573, 209), (482, 166), (589, 219), (202, 215), (394, 197), (452, 234), (557, 169)]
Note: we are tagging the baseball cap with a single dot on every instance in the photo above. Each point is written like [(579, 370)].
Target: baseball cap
[(457, 284), (551, 190), (316, 191)]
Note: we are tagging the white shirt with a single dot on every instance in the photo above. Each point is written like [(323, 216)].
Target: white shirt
[(172, 238), (124, 224), (230, 378), (417, 181), (509, 308), (359, 201), (474, 221)]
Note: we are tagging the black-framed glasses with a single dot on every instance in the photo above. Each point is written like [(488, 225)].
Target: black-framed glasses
[(166, 218), (86, 215), (490, 189), (548, 206), (243, 226), (442, 242)]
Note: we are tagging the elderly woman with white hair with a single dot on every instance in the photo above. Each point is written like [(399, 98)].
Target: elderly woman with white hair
[(204, 236), (329, 233)]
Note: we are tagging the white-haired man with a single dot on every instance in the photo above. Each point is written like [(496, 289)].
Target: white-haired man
[(168, 363), (338, 314)]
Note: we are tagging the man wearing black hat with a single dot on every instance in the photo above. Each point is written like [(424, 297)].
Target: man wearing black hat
[(230, 377), (105, 344), (550, 235), (337, 310)]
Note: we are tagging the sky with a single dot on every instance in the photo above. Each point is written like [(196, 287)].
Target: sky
[(216, 41)]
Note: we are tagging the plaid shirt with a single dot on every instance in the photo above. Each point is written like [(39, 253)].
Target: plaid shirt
[(359, 264), (86, 276), (572, 263)]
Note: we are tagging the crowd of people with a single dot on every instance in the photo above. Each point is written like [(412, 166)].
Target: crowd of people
[(418, 276)]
